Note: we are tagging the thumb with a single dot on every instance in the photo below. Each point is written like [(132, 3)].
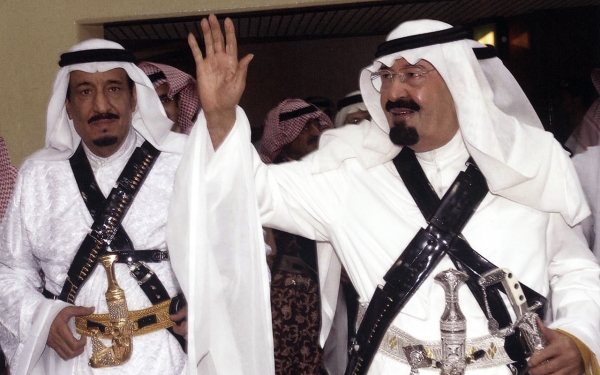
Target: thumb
[(548, 333), (81, 310)]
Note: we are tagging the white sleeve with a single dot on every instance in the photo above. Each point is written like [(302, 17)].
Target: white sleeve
[(575, 283), (218, 254), (25, 314)]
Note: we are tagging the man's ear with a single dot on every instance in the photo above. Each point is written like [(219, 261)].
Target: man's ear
[(133, 98), (68, 108)]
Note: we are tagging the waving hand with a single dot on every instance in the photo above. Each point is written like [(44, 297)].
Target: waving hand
[(221, 77)]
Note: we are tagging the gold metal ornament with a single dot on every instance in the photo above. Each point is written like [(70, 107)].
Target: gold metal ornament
[(120, 328)]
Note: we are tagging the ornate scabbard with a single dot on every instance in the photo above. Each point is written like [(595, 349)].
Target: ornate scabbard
[(526, 318), (120, 328)]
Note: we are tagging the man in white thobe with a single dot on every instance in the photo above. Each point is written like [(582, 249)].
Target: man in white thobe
[(103, 103), (437, 99)]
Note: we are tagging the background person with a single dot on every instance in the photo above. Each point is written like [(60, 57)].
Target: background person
[(177, 92), (351, 110)]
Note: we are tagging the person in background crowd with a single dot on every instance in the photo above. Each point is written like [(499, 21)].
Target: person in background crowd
[(324, 104), (177, 92), (8, 176), (351, 110), (584, 143), (292, 131)]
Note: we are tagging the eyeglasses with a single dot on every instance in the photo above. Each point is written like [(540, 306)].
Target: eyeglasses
[(413, 76)]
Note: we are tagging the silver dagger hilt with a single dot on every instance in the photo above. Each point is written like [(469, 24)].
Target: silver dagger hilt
[(453, 325)]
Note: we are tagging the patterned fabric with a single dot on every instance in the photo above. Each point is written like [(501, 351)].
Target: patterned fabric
[(295, 308), (281, 130), (179, 83), (8, 176)]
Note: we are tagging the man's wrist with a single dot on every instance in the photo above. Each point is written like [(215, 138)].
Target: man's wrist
[(219, 124)]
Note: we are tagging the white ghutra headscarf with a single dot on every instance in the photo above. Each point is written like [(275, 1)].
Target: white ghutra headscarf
[(498, 125), (149, 118)]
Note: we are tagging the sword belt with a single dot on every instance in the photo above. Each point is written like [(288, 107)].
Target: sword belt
[(144, 321), (396, 340)]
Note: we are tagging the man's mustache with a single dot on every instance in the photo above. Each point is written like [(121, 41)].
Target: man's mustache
[(402, 103), (103, 116)]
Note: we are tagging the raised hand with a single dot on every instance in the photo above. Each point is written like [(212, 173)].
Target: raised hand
[(60, 337), (560, 356), (221, 77)]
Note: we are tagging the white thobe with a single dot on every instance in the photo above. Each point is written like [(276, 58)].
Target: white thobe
[(44, 226), (587, 164), (369, 217)]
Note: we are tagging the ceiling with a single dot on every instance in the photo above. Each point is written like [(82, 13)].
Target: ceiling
[(349, 20)]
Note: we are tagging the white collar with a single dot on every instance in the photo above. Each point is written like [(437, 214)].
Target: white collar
[(122, 153), (445, 155)]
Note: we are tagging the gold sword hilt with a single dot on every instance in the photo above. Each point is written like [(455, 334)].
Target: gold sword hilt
[(121, 328)]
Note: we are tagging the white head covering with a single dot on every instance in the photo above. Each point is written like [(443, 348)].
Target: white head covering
[(499, 127), (149, 118), (345, 110)]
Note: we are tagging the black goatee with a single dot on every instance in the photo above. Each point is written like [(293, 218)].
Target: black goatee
[(403, 135)]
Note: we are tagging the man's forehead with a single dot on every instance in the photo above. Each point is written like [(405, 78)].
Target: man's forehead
[(77, 77), (403, 63)]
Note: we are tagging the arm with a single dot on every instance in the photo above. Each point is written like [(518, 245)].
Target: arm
[(221, 77), (28, 321), (575, 295)]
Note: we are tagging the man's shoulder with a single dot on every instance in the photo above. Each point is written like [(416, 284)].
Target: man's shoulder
[(364, 143), (43, 167), (168, 161)]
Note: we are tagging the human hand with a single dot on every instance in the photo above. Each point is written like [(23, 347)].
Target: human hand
[(221, 77), (180, 319), (560, 356), (60, 337)]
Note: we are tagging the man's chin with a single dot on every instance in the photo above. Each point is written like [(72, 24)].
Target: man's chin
[(403, 135), (106, 141)]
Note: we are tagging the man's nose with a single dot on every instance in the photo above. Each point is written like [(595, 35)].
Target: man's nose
[(397, 90), (101, 103), (314, 129)]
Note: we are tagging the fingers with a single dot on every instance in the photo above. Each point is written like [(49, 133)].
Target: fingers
[(60, 337), (214, 39), (179, 316), (193, 43), (218, 42), (181, 329), (242, 70), (180, 319), (560, 356), (208, 41), (79, 310), (231, 47)]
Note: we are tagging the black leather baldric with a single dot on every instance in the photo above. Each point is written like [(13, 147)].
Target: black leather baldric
[(415, 264), (107, 213), (465, 258), (131, 179)]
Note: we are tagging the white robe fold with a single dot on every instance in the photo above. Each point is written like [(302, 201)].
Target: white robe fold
[(364, 210)]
